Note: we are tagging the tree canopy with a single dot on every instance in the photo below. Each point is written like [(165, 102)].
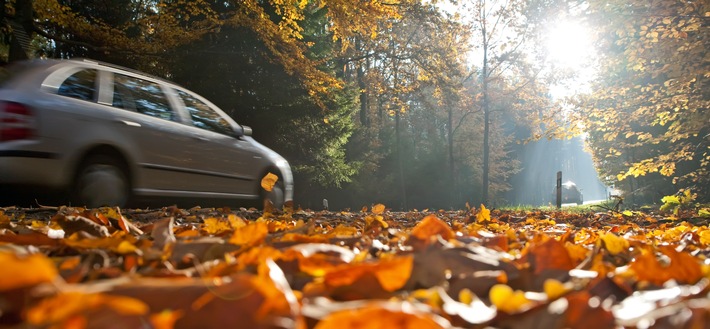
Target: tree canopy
[(648, 114), (409, 102)]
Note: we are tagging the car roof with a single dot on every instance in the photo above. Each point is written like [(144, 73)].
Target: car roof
[(35, 66)]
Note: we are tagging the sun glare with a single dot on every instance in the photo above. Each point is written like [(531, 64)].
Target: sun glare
[(569, 45)]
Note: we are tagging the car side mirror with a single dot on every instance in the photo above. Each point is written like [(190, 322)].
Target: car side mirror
[(246, 131)]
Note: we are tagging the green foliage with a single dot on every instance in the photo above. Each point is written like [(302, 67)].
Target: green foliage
[(681, 200)]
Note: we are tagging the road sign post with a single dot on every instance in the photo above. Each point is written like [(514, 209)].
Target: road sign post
[(559, 190)]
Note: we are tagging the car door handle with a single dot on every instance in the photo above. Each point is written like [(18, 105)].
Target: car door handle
[(129, 123)]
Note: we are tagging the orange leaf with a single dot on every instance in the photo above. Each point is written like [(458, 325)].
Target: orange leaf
[(252, 234), (373, 317), (550, 254), (120, 242), (392, 274), (64, 306), (165, 319), (583, 315), (431, 226), (343, 231), (269, 181), (25, 271), (378, 209), (682, 267)]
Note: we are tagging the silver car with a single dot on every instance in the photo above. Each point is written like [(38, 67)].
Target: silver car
[(109, 135)]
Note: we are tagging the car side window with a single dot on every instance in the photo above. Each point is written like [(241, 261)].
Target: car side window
[(205, 117), (147, 97), (81, 85)]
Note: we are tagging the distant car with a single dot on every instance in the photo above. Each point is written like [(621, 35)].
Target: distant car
[(570, 193), (109, 135)]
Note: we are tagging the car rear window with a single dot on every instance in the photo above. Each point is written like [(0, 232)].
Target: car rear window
[(81, 85)]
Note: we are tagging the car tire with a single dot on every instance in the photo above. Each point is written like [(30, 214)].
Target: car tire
[(101, 181), (276, 195)]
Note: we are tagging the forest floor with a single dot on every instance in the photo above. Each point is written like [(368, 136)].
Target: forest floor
[(65, 267)]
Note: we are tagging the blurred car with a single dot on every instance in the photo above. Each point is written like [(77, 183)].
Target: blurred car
[(108, 135), (570, 193)]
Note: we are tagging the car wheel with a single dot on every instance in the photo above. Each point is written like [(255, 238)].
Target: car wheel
[(276, 195), (101, 181)]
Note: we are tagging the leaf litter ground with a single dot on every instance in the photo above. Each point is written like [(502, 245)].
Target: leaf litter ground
[(475, 268)]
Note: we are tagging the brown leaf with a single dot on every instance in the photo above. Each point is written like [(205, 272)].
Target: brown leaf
[(76, 224), (163, 233), (549, 254)]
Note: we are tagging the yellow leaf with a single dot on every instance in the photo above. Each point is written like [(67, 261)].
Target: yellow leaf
[(214, 225), (466, 296), (505, 299), (614, 244), (165, 319), (25, 271), (376, 218), (704, 237), (483, 215), (554, 289), (269, 181)]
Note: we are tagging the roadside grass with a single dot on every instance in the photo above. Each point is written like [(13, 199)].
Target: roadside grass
[(604, 205)]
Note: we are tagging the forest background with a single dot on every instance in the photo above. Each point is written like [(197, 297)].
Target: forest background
[(419, 104)]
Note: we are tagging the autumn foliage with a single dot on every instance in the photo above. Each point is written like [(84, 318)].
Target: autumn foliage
[(214, 268)]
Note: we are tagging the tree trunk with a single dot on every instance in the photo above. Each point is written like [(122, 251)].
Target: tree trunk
[(402, 186), (486, 121), (450, 141), (364, 99), (21, 36)]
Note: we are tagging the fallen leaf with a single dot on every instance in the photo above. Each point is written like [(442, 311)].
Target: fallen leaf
[(268, 182), (21, 271), (374, 317), (508, 300)]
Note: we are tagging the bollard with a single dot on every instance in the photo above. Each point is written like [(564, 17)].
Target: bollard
[(559, 190)]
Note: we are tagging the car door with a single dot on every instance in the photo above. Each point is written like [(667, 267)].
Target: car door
[(229, 164), (164, 166)]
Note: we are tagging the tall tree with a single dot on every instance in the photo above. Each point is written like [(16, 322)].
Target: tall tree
[(649, 113), (504, 33), (408, 59)]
